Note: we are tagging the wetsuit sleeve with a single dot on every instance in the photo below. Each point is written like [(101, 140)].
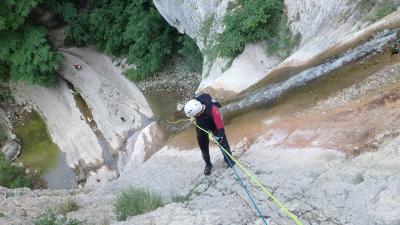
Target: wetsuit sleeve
[(217, 117)]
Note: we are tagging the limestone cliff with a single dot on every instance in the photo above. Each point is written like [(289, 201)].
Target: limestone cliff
[(313, 160), (326, 28), (117, 106)]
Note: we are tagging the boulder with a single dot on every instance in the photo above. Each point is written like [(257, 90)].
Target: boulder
[(11, 150)]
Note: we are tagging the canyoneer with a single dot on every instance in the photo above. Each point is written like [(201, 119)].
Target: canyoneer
[(205, 110)]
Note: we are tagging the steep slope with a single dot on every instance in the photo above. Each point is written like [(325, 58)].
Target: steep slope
[(326, 27), (291, 153)]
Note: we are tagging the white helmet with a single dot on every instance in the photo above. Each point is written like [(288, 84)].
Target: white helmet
[(192, 108)]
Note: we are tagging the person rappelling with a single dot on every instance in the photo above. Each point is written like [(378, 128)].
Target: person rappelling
[(205, 110)]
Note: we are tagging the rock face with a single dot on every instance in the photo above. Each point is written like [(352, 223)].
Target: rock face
[(302, 155), (117, 105), (326, 28), (189, 16), (11, 150), (141, 146), (65, 122), (5, 122), (320, 186)]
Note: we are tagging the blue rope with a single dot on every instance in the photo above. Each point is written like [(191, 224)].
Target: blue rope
[(245, 188)]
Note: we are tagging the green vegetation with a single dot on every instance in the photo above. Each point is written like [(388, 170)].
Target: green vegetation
[(136, 201), (133, 29), (13, 13), (283, 42), (2, 214), (3, 133), (181, 198), (191, 53), (50, 218), (12, 176), (5, 94), (385, 9), (206, 28), (25, 54), (377, 9), (68, 206), (38, 151), (29, 56), (250, 21)]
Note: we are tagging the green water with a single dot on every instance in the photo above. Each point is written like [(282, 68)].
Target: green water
[(39, 153)]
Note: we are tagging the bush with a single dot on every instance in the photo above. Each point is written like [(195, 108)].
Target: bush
[(250, 21), (2, 214), (68, 206), (50, 218), (136, 201), (191, 53), (13, 176)]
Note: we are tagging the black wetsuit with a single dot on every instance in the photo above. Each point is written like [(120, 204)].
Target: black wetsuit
[(210, 120)]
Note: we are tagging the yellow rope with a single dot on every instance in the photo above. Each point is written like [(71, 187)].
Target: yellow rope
[(179, 121), (252, 177)]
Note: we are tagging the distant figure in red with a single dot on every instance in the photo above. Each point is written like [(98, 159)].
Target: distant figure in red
[(78, 67)]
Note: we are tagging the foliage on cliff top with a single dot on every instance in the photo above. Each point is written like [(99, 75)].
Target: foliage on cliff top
[(25, 54), (132, 29), (250, 21)]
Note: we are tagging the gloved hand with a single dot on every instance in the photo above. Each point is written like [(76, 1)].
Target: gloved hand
[(217, 139), (213, 138)]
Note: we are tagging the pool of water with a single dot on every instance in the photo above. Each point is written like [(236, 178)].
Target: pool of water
[(39, 153)]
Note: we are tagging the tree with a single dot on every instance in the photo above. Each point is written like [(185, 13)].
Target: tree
[(149, 37), (13, 13), (29, 56), (25, 53), (133, 29)]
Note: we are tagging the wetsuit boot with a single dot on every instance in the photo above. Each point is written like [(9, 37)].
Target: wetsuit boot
[(207, 169)]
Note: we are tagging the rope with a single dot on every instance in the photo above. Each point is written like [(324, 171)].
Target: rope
[(210, 136), (252, 177), (179, 121), (246, 190)]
